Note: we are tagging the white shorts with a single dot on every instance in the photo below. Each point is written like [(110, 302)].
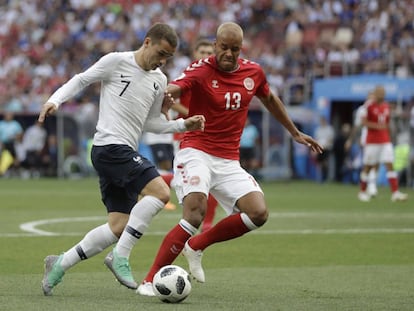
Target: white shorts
[(226, 180), (378, 153)]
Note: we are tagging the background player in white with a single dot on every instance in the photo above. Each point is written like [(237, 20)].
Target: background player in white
[(378, 148), (132, 94), (221, 87)]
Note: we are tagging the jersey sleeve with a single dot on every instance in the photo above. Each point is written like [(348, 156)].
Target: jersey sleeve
[(190, 76), (97, 72), (263, 90)]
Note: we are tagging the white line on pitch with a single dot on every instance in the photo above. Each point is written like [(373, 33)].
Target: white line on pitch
[(30, 228)]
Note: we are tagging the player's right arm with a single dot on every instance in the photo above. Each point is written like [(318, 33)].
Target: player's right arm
[(97, 72)]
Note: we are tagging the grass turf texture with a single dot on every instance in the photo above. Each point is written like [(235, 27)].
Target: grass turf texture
[(321, 249)]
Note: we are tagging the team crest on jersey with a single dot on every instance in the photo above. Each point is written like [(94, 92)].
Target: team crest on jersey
[(248, 84), (194, 180), (214, 84)]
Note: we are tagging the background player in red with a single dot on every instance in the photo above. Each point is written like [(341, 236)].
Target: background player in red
[(222, 87), (361, 129), (378, 147), (203, 48)]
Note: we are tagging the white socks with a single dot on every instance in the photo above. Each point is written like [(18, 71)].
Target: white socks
[(248, 222), (187, 227), (94, 242), (139, 220)]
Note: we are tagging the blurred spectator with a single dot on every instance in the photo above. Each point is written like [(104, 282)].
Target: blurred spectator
[(86, 116), (34, 140), (324, 134), (341, 154), (10, 132), (50, 156), (248, 142), (43, 39)]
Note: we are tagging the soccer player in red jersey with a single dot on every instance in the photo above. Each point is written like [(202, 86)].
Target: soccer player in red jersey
[(378, 148), (222, 87)]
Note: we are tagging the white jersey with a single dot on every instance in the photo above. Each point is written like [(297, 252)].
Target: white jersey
[(360, 114), (130, 101)]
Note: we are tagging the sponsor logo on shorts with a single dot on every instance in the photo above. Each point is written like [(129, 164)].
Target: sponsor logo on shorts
[(195, 180), (137, 159)]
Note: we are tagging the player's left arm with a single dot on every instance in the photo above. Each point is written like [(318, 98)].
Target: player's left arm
[(279, 112), (171, 93), (156, 123)]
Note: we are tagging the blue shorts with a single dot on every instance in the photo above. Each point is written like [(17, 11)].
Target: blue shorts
[(123, 173)]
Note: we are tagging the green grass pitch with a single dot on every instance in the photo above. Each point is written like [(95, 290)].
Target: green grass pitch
[(321, 249)]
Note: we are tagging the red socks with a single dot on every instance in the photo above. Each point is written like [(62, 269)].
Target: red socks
[(170, 248), (228, 228), (210, 212), (167, 178)]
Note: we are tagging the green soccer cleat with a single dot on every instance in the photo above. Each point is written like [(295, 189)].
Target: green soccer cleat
[(53, 273), (121, 269)]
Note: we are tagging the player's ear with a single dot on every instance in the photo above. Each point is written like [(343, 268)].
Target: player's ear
[(147, 41)]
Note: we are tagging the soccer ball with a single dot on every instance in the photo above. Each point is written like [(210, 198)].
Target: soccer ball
[(171, 284)]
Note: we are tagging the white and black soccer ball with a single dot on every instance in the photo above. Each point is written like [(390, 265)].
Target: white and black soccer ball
[(171, 284)]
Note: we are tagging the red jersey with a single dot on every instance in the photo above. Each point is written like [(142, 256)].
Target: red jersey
[(223, 98), (379, 114)]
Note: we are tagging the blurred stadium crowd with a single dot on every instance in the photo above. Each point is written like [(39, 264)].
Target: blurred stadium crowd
[(45, 42)]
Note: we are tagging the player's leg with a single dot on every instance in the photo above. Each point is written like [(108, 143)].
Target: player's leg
[(192, 185), (237, 188), (173, 242), (94, 242), (387, 157), (370, 160), (123, 176), (168, 176), (155, 195), (372, 182), (210, 213)]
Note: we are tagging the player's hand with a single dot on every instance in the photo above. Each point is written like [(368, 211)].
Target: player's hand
[(166, 104), (47, 110), (308, 141), (195, 122)]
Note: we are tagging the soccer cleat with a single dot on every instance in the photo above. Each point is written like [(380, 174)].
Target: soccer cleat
[(363, 196), (145, 289), (121, 269), (53, 273), (398, 196), (194, 262)]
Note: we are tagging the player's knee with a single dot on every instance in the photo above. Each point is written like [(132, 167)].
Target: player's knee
[(259, 217), (159, 189), (164, 195), (194, 208), (117, 227)]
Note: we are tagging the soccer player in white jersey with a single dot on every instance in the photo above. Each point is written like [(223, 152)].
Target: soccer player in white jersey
[(132, 94)]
